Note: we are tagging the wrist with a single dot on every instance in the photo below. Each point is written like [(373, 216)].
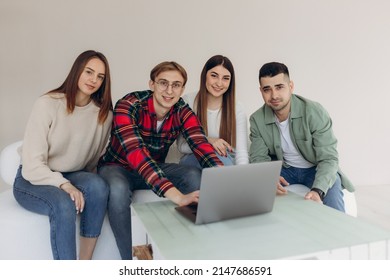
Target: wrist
[(64, 185), (174, 195), (319, 192)]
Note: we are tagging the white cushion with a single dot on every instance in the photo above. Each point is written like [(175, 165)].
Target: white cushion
[(142, 196), (26, 235), (9, 162)]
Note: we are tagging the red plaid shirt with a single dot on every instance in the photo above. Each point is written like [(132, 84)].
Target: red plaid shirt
[(135, 143)]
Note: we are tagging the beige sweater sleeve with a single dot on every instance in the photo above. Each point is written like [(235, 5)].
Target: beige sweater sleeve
[(35, 145)]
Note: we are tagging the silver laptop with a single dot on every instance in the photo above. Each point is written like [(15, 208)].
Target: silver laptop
[(234, 191)]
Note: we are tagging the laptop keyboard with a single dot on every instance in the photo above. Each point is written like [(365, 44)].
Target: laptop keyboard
[(193, 207)]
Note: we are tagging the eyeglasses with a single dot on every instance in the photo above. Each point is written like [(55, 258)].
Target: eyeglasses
[(163, 85)]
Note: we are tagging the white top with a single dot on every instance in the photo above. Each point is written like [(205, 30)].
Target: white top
[(213, 123), (159, 124), (56, 141), (291, 155)]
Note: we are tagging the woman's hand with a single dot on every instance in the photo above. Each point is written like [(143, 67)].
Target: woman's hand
[(220, 146), (75, 195)]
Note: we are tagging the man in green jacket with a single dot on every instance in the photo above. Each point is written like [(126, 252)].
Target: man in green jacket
[(298, 131)]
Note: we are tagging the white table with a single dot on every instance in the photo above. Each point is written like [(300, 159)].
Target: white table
[(295, 229)]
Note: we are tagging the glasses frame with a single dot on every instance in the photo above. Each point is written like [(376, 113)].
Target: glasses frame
[(176, 86)]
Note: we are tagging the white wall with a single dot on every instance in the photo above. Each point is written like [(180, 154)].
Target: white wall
[(337, 52)]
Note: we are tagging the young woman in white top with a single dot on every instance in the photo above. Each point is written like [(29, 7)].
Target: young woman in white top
[(223, 120), (66, 133)]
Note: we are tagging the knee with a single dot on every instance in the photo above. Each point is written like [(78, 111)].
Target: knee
[(336, 189), (109, 172), (193, 173), (227, 161), (117, 183), (99, 189), (193, 177), (118, 189), (119, 196), (337, 183)]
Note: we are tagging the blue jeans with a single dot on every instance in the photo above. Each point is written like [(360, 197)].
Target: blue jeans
[(191, 160), (57, 204), (305, 176), (123, 182)]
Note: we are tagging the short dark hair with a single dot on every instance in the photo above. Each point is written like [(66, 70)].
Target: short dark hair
[(272, 69)]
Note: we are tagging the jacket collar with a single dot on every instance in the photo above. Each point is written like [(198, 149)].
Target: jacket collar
[(295, 112)]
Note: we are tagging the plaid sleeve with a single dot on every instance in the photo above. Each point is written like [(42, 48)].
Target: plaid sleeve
[(195, 136), (128, 133)]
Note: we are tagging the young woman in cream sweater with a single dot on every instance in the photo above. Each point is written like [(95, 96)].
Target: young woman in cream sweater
[(67, 131)]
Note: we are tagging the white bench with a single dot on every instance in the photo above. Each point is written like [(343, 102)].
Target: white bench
[(24, 235)]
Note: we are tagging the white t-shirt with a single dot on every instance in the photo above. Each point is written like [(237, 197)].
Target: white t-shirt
[(213, 123), (291, 155)]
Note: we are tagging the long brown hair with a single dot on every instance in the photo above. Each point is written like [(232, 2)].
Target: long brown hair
[(227, 128), (102, 97)]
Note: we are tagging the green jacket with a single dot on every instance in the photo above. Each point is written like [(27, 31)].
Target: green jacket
[(311, 132)]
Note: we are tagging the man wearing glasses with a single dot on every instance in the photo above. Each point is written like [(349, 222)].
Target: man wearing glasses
[(145, 125)]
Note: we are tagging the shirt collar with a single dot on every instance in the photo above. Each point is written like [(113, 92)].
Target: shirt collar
[(151, 109), (295, 111)]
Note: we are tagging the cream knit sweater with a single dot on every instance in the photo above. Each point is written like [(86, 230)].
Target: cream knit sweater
[(56, 141)]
